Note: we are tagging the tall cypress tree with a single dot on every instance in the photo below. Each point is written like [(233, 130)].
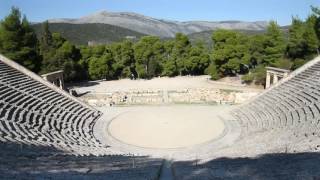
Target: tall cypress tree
[(46, 38)]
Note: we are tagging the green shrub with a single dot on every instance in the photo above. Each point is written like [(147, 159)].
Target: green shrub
[(298, 63), (248, 78), (212, 71)]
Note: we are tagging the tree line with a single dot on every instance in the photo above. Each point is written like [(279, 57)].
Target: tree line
[(232, 53)]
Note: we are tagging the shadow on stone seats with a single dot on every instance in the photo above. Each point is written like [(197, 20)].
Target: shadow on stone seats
[(81, 94), (35, 162), (269, 166)]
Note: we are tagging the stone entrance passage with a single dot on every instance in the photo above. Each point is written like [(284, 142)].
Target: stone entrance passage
[(274, 75), (55, 78)]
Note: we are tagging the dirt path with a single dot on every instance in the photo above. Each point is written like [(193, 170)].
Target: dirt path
[(163, 83)]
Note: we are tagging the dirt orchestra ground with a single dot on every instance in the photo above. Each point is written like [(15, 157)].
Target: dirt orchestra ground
[(166, 127)]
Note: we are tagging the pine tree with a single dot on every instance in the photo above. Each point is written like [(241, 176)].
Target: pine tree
[(316, 13), (230, 51), (147, 53), (310, 38), (123, 55), (169, 67), (180, 52), (295, 47), (198, 59), (274, 45), (256, 48), (18, 41), (97, 68)]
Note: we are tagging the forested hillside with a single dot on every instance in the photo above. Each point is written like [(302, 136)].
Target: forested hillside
[(80, 34)]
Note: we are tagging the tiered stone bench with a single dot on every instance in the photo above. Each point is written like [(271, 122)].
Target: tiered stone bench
[(45, 132), (33, 113), (291, 104)]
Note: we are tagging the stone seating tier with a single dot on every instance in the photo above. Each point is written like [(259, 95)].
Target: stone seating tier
[(32, 113)]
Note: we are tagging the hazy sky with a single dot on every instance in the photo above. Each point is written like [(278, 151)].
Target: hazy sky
[(181, 10)]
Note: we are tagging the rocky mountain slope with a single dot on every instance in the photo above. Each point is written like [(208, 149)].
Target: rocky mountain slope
[(159, 27)]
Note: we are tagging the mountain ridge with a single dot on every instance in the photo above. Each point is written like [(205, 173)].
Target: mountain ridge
[(159, 27)]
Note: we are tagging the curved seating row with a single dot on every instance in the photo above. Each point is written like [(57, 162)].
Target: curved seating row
[(294, 103), (33, 113)]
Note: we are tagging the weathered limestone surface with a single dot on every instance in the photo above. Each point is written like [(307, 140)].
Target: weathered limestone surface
[(184, 96)]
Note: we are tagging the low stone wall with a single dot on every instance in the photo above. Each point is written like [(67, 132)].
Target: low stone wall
[(184, 96), (243, 97)]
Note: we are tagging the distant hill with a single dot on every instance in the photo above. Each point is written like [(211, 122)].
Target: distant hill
[(97, 33), (160, 27)]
